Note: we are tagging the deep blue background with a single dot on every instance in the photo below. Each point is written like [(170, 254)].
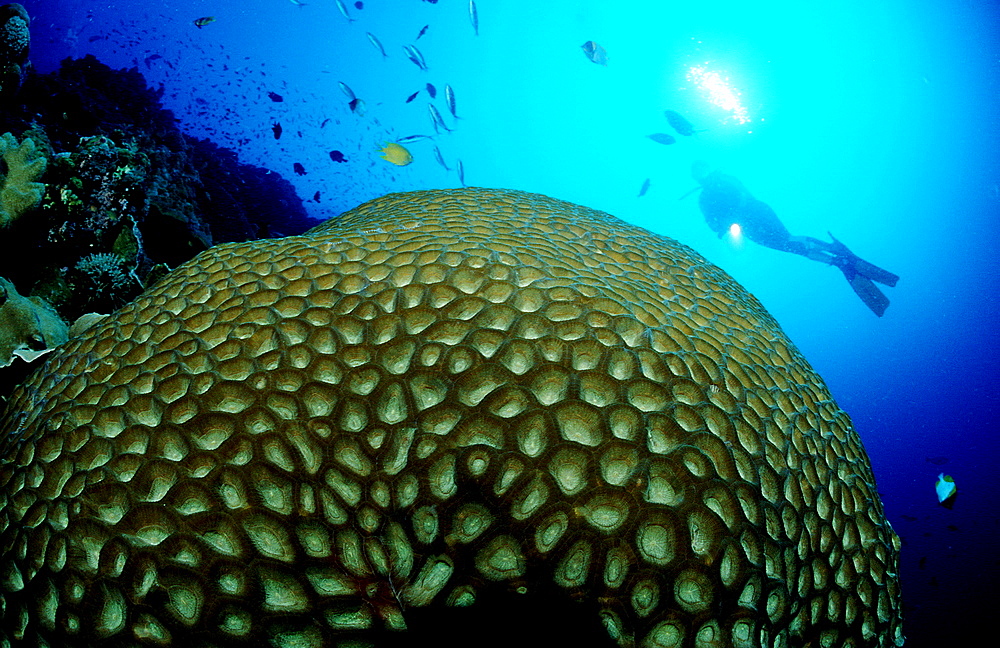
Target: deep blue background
[(878, 121)]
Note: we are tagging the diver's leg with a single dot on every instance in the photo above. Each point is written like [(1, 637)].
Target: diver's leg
[(860, 266)]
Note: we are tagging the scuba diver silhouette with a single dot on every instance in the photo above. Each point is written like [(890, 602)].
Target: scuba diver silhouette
[(725, 201)]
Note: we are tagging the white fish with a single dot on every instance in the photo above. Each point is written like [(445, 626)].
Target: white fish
[(374, 41), (343, 10), (436, 119), (440, 158), (414, 55), (347, 91), (473, 16), (449, 97)]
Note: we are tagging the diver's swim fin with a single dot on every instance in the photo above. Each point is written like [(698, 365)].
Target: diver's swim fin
[(864, 268), (868, 292)]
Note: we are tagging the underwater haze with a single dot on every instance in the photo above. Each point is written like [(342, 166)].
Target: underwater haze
[(878, 122)]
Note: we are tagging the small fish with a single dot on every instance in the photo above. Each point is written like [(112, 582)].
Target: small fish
[(412, 96), (662, 138), (95, 38), (946, 490), (396, 154), (299, 169), (343, 10), (937, 461), (643, 190), (359, 5), (679, 122), (440, 158), (337, 156), (422, 32), (432, 91), (378, 45), (412, 138), (149, 59), (346, 89), (357, 107), (474, 16), (595, 52), (206, 20), (414, 55), (275, 97), (316, 197), (324, 122), (436, 119), (449, 98), (461, 173), (276, 129), (298, 3)]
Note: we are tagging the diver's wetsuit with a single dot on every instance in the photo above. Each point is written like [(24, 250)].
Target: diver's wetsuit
[(725, 201)]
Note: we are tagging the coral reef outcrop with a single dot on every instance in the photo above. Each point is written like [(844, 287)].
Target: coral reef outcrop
[(125, 195), (15, 41)]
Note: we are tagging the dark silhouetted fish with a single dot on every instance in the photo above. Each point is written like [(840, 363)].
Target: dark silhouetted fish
[(662, 138), (644, 188), (412, 96), (412, 138), (316, 197), (337, 156), (276, 129), (422, 32), (275, 97), (679, 122), (937, 461), (431, 90), (299, 169)]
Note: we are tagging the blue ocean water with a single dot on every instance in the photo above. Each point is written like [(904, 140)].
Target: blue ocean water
[(878, 122)]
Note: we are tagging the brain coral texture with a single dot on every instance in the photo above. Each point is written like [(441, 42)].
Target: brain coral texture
[(296, 442)]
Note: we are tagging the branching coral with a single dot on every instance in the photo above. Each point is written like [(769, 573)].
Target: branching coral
[(104, 273), (22, 166)]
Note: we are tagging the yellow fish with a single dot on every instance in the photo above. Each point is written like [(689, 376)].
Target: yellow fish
[(595, 52), (201, 22), (396, 154)]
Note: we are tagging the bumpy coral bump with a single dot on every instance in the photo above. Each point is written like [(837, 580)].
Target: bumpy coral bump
[(441, 397)]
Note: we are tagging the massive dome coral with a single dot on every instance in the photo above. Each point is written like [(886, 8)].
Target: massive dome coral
[(440, 397)]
